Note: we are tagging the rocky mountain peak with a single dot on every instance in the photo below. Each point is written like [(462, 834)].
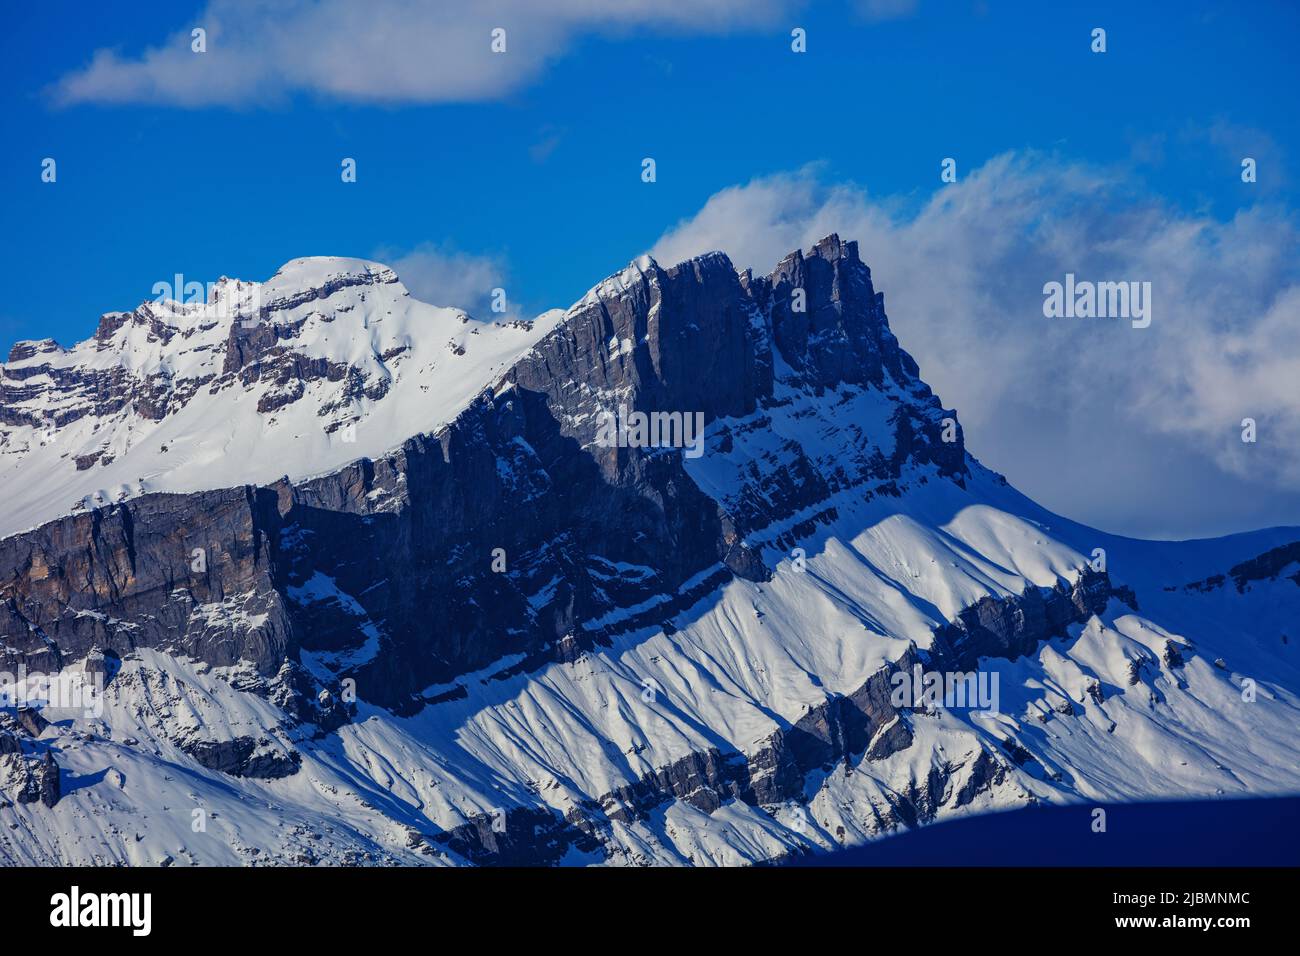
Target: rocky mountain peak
[(22, 351), (572, 642), (343, 363), (328, 360)]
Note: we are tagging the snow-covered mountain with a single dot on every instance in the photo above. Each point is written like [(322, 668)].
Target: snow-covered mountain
[(479, 632), (329, 360)]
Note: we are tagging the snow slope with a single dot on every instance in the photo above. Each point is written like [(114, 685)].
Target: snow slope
[(396, 367), (740, 664)]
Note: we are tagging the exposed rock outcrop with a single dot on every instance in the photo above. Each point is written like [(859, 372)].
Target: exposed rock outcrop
[(245, 757), (259, 574)]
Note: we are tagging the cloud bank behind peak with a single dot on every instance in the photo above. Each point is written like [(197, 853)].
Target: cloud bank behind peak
[(1133, 430)]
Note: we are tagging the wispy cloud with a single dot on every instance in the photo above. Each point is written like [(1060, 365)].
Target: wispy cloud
[(548, 139), (392, 51), (444, 276), (1135, 429), (875, 10), (1238, 142)]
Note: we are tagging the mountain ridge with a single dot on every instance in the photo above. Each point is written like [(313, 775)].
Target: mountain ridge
[(632, 655)]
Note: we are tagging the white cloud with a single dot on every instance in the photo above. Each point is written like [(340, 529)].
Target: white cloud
[(379, 51), (1130, 429), (443, 276)]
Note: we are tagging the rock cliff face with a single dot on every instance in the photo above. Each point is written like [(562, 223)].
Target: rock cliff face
[(125, 576), (515, 640), (416, 541)]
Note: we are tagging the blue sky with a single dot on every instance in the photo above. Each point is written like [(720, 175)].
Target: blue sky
[(536, 173)]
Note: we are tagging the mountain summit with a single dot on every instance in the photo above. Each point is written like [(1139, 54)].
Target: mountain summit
[(377, 564), (329, 360)]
